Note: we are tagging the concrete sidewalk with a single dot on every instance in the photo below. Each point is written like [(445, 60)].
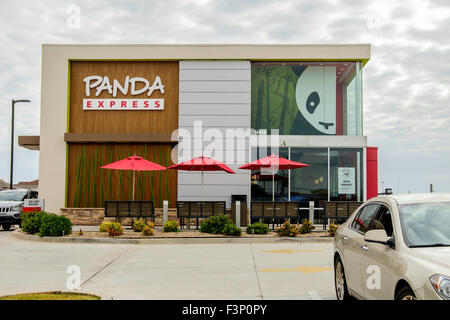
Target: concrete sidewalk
[(201, 271)]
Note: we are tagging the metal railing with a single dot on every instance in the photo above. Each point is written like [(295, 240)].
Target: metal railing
[(199, 209), (275, 213), (129, 209), (339, 211)]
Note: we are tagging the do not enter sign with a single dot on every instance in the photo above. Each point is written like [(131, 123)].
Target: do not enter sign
[(34, 205)]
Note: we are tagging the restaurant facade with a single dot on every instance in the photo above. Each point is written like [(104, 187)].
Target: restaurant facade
[(233, 103)]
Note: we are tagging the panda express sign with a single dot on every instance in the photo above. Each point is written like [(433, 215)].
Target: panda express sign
[(133, 86)]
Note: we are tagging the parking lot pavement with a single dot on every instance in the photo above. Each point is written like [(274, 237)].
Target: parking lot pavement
[(200, 271)]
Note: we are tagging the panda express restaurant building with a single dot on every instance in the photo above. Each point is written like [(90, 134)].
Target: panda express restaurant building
[(101, 103)]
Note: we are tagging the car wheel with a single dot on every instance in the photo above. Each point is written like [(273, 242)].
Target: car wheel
[(340, 284), (6, 227), (405, 293)]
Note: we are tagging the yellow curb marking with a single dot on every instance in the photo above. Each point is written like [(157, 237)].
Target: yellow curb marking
[(302, 269), (290, 251)]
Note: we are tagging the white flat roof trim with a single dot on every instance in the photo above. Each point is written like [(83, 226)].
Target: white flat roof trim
[(257, 52)]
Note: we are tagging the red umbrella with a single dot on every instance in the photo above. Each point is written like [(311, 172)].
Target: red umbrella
[(202, 164), (134, 163), (273, 162)]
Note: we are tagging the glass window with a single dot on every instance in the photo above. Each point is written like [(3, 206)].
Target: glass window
[(310, 183), (363, 219), (383, 221), (261, 180), (426, 224), (307, 98), (346, 174)]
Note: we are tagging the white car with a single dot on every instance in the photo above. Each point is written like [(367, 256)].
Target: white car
[(11, 204), (395, 247)]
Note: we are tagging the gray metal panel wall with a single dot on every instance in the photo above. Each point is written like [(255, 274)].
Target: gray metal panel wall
[(217, 93)]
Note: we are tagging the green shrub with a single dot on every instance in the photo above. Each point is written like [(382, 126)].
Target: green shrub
[(54, 225), (215, 224), (332, 229), (257, 228), (230, 229), (170, 226), (139, 225), (31, 221), (147, 231), (307, 226), (114, 229), (104, 226), (287, 230)]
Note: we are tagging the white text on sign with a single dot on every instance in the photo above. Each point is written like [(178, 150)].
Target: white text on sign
[(123, 104)]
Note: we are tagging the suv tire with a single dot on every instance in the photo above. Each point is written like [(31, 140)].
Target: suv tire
[(6, 227)]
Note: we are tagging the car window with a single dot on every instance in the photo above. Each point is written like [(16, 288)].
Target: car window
[(426, 224), (12, 195), (363, 220), (383, 220)]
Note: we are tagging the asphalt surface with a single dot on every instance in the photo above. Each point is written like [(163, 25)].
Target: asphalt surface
[(200, 271)]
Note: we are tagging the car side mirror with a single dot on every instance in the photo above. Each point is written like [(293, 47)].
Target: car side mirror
[(378, 236)]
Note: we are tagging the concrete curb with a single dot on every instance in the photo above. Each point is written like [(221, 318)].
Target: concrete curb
[(20, 235)]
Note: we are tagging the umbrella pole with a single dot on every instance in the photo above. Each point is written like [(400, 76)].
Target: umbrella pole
[(202, 185), (273, 184), (134, 178)]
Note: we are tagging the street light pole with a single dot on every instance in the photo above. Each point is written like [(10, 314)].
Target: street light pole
[(12, 140)]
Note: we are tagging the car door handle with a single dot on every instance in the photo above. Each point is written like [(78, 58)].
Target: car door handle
[(364, 247), (345, 238)]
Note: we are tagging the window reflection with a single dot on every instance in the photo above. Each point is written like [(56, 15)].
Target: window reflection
[(346, 174), (310, 183), (261, 180)]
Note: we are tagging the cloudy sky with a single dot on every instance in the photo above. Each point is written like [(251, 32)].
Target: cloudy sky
[(406, 82)]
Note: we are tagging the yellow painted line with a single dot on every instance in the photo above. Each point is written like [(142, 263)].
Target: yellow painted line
[(302, 269), (279, 251), (290, 251)]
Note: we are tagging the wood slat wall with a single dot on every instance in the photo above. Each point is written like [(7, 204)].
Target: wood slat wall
[(86, 189)]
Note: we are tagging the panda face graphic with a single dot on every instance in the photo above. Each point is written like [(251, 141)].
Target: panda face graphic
[(346, 173), (316, 97)]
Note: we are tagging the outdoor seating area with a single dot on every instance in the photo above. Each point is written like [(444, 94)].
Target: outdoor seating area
[(187, 212)]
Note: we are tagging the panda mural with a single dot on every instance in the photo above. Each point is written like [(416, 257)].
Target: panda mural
[(315, 95)]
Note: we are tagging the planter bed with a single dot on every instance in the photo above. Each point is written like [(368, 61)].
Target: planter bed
[(129, 234)]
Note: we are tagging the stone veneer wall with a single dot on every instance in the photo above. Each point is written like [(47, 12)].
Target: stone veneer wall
[(84, 216), (95, 216)]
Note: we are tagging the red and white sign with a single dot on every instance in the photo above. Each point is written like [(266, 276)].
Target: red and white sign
[(134, 86), (33, 205), (123, 104)]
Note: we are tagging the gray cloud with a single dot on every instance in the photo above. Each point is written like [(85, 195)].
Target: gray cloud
[(406, 83)]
